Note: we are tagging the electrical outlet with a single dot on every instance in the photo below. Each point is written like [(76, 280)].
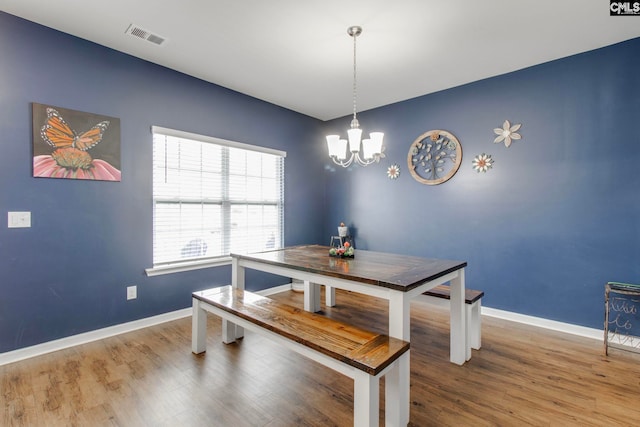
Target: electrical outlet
[(132, 292), (19, 219)]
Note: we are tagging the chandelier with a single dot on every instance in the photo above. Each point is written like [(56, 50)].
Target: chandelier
[(371, 147)]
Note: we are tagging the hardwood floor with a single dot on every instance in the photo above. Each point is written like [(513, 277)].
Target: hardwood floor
[(521, 376)]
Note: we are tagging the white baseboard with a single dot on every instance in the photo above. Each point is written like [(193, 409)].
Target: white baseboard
[(276, 290), (539, 322), (568, 328), (98, 334), (51, 346)]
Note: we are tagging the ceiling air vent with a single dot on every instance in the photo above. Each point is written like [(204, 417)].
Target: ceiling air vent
[(136, 31)]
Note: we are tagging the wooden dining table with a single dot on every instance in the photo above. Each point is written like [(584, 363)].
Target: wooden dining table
[(393, 277)]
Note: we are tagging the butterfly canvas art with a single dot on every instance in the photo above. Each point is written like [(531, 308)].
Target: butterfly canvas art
[(73, 144)]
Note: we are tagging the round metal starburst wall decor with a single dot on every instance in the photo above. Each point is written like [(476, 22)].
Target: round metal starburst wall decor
[(434, 157)]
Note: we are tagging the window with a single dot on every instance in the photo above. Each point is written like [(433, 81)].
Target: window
[(212, 197)]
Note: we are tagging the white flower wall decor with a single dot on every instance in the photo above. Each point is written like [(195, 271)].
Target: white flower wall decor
[(507, 133), (393, 171), (482, 162)]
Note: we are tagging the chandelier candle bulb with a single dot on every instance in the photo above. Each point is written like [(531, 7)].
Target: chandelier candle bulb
[(337, 147), (373, 146), (376, 141), (367, 149), (342, 144), (354, 139), (333, 144)]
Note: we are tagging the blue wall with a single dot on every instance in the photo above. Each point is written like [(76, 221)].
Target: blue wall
[(558, 215), (68, 273)]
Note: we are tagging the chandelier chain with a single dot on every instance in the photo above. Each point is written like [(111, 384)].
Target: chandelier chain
[(355, 35)]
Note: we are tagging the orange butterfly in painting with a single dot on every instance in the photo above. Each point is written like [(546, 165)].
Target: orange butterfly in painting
[(57, 133)]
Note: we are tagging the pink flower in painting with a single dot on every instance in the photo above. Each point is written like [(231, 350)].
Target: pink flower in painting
[(73, 163)]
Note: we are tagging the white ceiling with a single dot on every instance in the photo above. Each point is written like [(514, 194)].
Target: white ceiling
[(297, 54)]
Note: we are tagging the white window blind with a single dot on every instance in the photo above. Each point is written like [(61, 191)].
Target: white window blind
[(213, 196)]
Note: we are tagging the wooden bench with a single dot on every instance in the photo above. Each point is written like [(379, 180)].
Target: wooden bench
[(472, 299), (359, 354)]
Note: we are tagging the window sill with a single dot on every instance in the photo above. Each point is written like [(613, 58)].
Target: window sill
[(186, 266)]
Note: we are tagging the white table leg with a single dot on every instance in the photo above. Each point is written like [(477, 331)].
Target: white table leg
[(399, 316), (366, 399), (311, 296), (198, 328), (397, 380), (393, 415), (330, 296), (458, 335), (237, 281)]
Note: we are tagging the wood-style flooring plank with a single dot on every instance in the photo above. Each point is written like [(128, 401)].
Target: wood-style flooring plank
[(522, 376)]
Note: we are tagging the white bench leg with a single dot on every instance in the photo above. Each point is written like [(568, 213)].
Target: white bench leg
[(366, 400), (198, 328), (459, 351), (467, 330), (330, 296), (475, 331), (230, 331)]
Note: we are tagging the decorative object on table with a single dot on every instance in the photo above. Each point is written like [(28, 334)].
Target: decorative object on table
[(393, 171), (62, 139), (507, 133), (345, 251), (434, 157), (342, 238), (482, 162), (371, 147), (343, 230), (622, 317)]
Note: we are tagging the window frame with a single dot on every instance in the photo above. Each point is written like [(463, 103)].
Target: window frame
[(198, 263)]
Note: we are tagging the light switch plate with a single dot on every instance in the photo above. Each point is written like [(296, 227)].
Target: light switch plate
[(19, 220)]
